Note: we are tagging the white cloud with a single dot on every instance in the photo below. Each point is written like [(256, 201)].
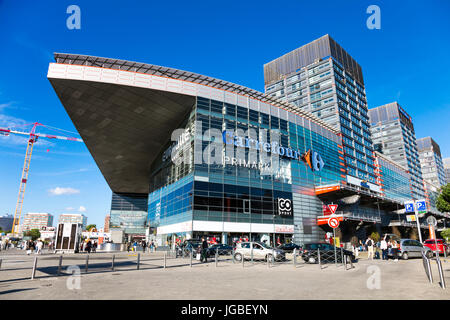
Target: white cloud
[(82, 209), (63, 191), (70, 209)]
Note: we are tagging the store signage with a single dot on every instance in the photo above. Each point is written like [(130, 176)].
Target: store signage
[(249, 143), (364, 184), (284, 207), (312, 158)]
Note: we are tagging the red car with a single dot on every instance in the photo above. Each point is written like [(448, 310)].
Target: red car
[(441, 245)]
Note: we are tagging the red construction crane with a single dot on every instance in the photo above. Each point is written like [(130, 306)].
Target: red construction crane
[(33, 137)]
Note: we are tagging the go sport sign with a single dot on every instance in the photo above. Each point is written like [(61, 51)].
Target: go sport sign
[(242, 148), (312, 158)]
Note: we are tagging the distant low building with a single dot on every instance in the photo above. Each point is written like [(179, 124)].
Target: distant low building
[(6, 222)]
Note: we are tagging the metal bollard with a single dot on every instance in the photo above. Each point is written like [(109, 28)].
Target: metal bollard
[(33, 273), (345, 262), (251, 254), (60, 264), (138, 260), (273, 257), (165, 262), (190, 261), (242, 255), (217, 256), (232, 257), (267, 258), (441, 273), (87, 263), (318, 257), (295, 257), (342, 256), (1, 264), (112, 262)]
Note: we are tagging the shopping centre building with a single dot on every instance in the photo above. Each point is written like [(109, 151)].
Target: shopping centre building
[(188, 155)]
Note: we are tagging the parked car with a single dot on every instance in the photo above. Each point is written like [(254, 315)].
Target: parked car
[(409, 248), (189, 247), (289, 247), (261, 251), (222, 249), (442, 246), (310, 254)]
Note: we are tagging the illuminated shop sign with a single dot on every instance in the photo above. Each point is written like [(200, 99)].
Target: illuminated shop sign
[(311, 158)]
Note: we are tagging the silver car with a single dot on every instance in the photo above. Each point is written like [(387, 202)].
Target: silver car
[(261, 251), (410, 248)]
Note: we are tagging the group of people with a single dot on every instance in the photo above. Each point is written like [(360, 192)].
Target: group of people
[(149, 246), (387, 246), (89, 246), (34, 246)]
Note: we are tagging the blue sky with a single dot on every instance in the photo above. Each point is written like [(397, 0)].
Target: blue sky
[(406, 61)]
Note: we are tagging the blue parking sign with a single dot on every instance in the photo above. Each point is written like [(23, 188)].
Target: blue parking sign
[(409, 207), (421, 205)]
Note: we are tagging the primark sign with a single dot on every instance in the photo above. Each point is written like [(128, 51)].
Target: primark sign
[(263, 150)]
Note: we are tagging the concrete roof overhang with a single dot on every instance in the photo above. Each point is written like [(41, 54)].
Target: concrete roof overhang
[(124, 127)]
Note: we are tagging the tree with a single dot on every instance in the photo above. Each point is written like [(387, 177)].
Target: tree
[(446, 233), (33, 233), (90, 227), (443, 200)]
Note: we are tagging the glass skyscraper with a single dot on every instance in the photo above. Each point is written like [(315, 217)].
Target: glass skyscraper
[(393, 136), (431, 161), (322, 78)]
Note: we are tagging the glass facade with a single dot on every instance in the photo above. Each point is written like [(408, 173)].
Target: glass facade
[(393, 136), (331, 87), (394, 179), (129, 212), (243, 185)]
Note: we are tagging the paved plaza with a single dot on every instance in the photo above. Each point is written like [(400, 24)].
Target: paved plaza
[(367, 280)]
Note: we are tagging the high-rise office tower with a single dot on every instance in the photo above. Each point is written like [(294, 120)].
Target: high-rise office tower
[(322, 78), (446, 162), (431, 161), (393, 135)]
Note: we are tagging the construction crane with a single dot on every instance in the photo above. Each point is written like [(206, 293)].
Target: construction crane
[(33, 138)]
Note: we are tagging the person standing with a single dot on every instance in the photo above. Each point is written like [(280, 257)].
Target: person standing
[(355, 246), (369, 244), (384, 249), (204, 249), (395, 250), (144, 245), (88, 246)]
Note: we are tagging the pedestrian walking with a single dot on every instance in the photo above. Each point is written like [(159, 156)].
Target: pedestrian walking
[(128, 246), (384, 249), (144, 245), (369, 243)]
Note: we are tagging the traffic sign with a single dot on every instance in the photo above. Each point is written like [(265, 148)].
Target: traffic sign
[(432, 221), (333, 208), (333, 222), (409, 206), (421, 205), (329, 209)]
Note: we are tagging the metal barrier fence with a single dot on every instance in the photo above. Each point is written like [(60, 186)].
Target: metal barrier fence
[(57, 264)]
